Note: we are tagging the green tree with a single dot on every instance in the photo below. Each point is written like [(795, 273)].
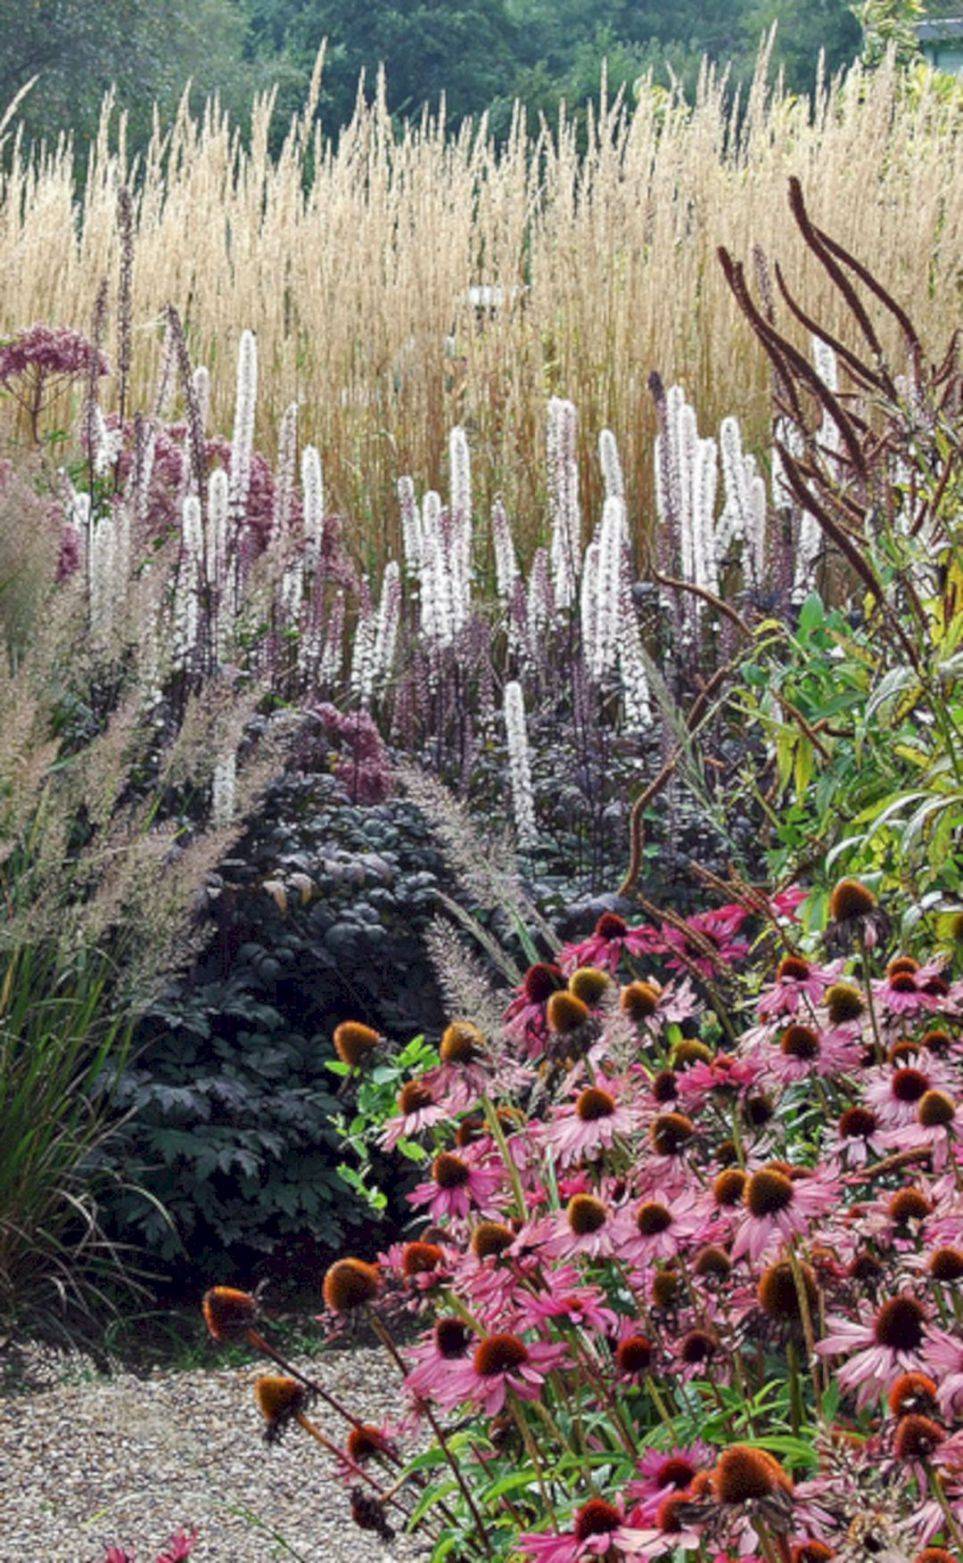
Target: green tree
[(147, 49), (468, 50)]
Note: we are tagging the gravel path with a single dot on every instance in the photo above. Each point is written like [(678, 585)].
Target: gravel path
[(128, 1460)]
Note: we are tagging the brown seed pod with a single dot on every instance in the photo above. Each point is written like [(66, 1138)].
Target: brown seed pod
[(354, 1043), (566, 1014), (590, 984), (228, 1312), (350, 1284)]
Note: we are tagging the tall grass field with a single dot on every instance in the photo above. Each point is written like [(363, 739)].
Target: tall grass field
[(404, 282)]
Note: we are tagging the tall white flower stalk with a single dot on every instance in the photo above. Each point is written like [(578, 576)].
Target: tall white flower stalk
[(686, 468), (743, 519), (589, 601), (387, 625), (411, 540), (611, 466), (566, 519), (216, 557), (312, 500), (291, 594), (603, 649), (363, 666), (332, 651), (286, 472), (224, 791), (245, 407), (187, 615), (633, 677), (202, 392), (437, 615), (459, 534), (519, 764), (103, 578), (503, 547)]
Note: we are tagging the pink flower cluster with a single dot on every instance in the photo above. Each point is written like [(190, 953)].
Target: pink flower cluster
[(180, 1546), (689, 1281), (49, 352)]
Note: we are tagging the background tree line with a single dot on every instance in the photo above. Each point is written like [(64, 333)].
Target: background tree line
[(482, 54)]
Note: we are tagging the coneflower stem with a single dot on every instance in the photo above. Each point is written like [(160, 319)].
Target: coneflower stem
[(659, 1403), (807, 1321), (436, 1428), (532, 1451), (870, 1003), (795, 1387), (257, 1340), (937, 1485), (498, 1135), (339, 1455)]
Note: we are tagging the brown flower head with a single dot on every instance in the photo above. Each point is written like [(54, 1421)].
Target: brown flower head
[(461, 1043), (844, 1002), (350, 1284), (596, 1518), (917, 1437), (228, 1313), (280, 1401), (491, 1238), (779, 1294), (354, 1043), (913, 1392), (420, 1258), (634, 1355), (541, 981), (639, 1001), (743, 1474), (566, 1014), (590, 984), (670, 1133)]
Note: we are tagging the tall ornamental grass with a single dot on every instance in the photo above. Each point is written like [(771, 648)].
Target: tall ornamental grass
[(60, 1049), (402, 282)]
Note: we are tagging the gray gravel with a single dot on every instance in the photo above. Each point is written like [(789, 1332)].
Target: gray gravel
[(93, 1460)]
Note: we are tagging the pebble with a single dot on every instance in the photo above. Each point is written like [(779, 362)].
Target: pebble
[(89, 1460)]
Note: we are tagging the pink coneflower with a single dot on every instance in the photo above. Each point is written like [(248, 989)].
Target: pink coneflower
[(802, 1051), (785, 903), (505, 1362), (524, 1019), (894, 1093), (698, 1354), (892, 1340), (937, 1125), (599, 1530), (726, 1076), (585, 1226), (606, 944), (777, 1208), (717, 928), (858, 1136), (910, 989), (568, 1298), (798, 983), (458, 1184), (418, 1109), (446, 1348), (588, 1126), (663, 1473), (944, 1359), (657, 1228)]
